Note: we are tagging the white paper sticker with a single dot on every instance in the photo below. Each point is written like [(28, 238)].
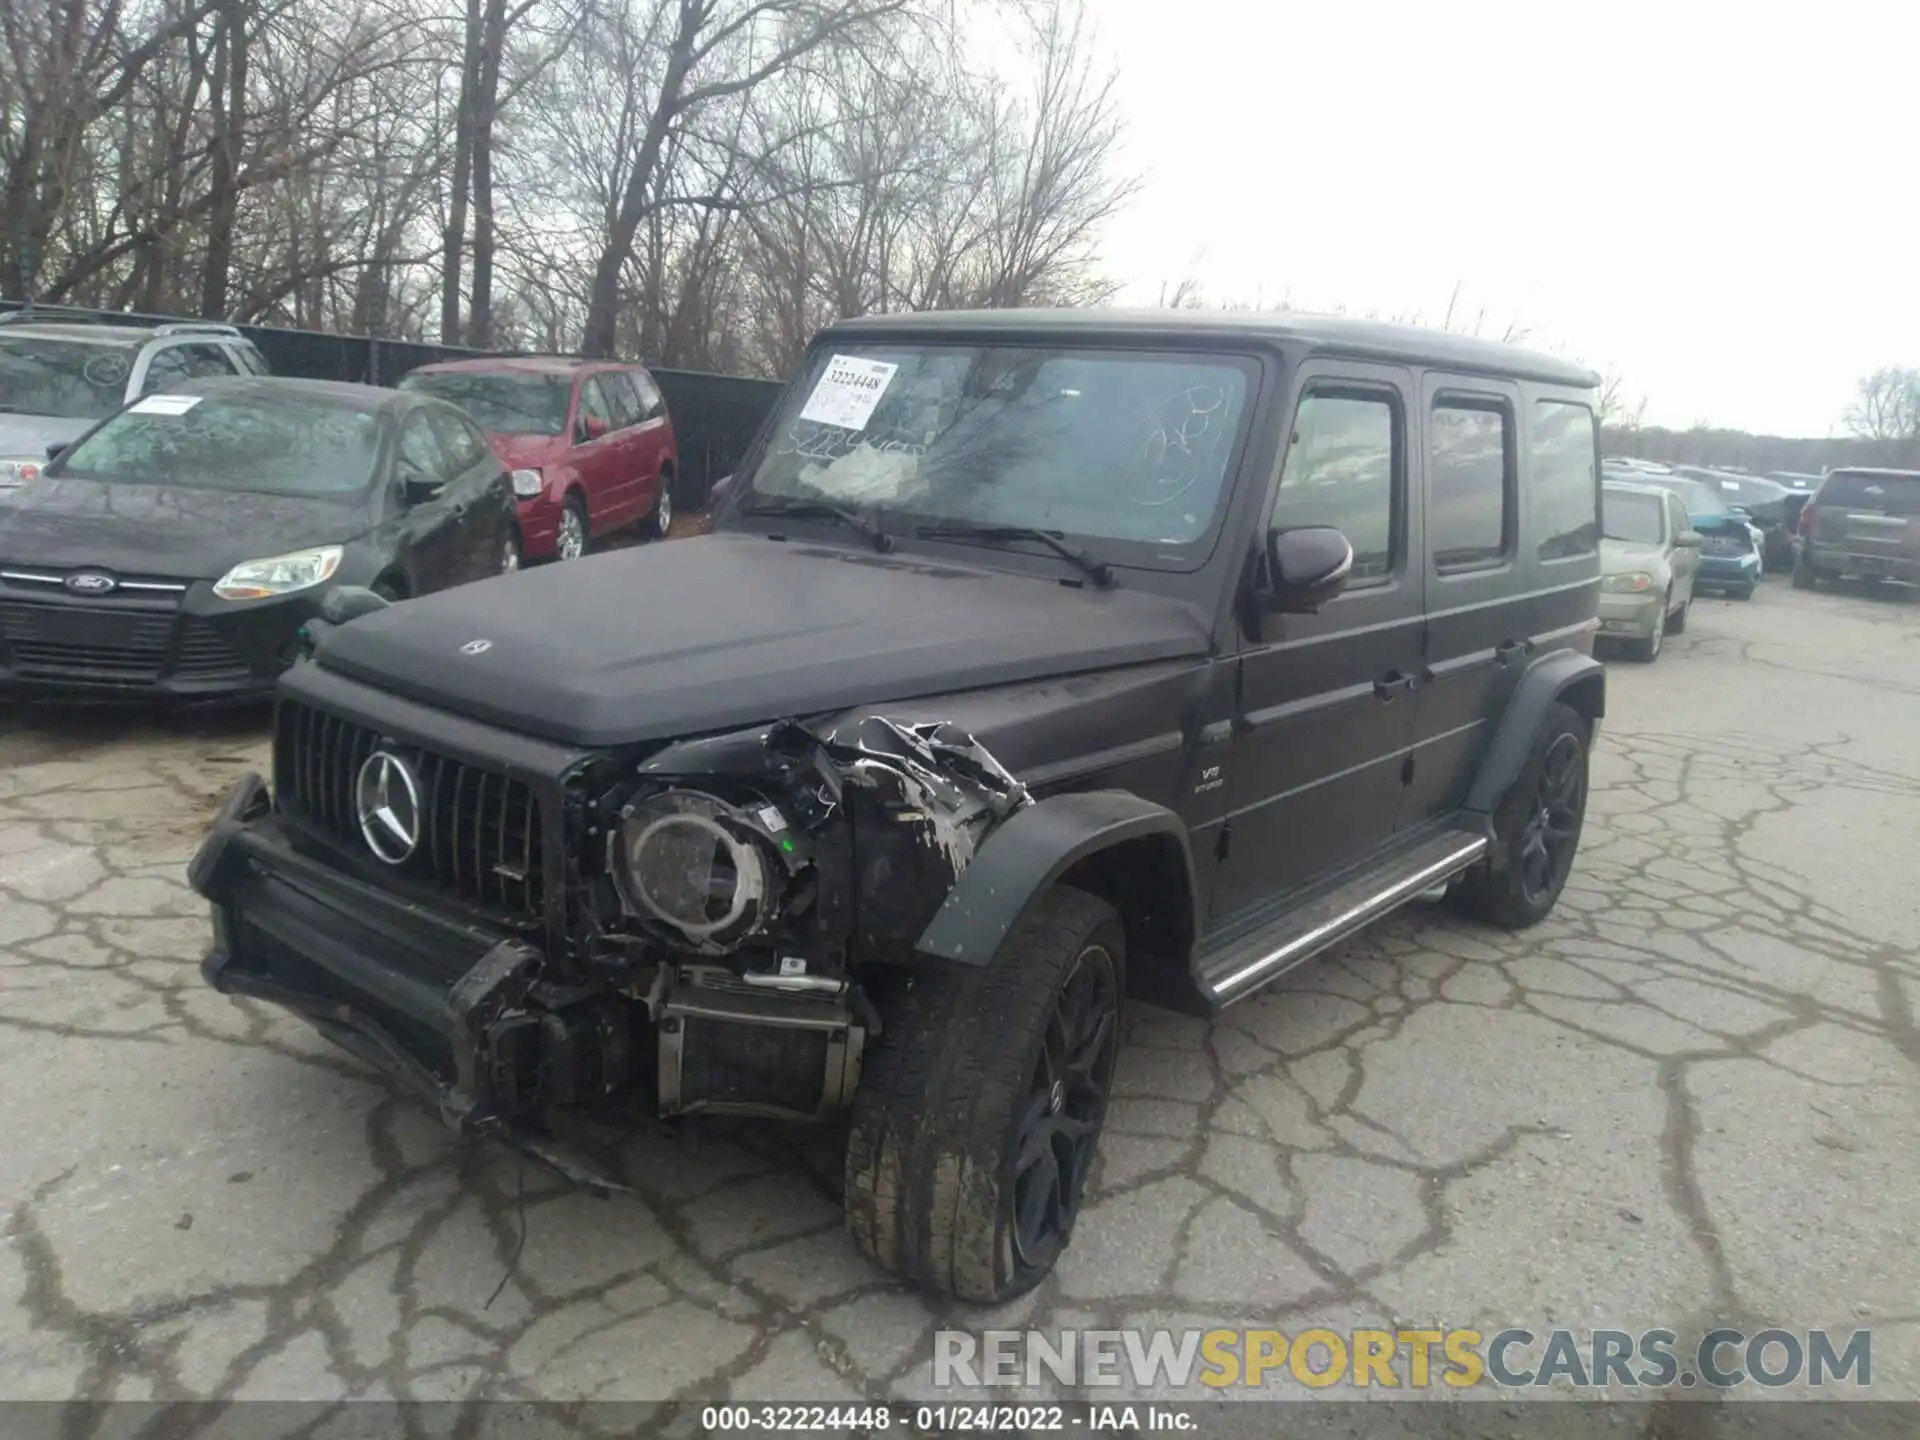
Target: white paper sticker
[(165, 404), (847, 394), (793, 964), (772, 819)]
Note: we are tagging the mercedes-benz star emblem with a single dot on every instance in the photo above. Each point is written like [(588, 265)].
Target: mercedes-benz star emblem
[(387, 800), (90, 582), (476, 647)]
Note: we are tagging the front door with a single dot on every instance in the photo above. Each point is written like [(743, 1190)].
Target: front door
[(431, 522), (596, 455), (1325, 713), (1685, 559), (475, 492), (1477, 612)]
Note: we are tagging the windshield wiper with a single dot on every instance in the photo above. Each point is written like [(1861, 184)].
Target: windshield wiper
[(822, 510), (1097, 571)]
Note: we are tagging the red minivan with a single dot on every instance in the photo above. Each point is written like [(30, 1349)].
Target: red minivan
[(589, 442)]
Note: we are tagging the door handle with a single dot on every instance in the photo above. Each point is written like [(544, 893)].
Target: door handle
[(1511, 653), (1391, 684)]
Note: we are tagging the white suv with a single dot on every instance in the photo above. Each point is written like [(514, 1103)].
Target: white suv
[(59, 376)]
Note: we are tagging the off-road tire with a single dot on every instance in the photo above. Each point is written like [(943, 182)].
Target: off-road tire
[(929, 1155), (1805, 577), (1493, 890)]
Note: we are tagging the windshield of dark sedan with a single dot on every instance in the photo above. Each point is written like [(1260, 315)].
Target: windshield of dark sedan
[(1630, 515), (1699, 499), (66, 379), (279, 446), (1108, 444), (504, 404)]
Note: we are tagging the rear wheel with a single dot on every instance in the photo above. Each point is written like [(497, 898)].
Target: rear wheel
[(1536, 829), (661, 520), (1805, 577), (979, 1111), (570, 540)]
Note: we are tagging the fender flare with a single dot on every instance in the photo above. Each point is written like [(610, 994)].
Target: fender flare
[(1549, 679), (1021, 860)]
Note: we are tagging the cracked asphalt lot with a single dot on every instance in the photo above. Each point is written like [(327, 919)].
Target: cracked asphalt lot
[(1688, 1099)]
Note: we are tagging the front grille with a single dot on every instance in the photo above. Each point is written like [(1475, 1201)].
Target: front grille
[(205, 654), (111, 646), (480, 833)]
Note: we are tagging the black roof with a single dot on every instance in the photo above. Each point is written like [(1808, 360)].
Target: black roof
[(337, 394), (1332, 334)]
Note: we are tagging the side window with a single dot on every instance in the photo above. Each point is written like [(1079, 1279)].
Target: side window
[(652, 403), (594, 406), (205, 361), (460, 442), (1343, 469), (1564, 486), (621, 396), (166, 367), (420, 448), (251, 360), (1469, 484)]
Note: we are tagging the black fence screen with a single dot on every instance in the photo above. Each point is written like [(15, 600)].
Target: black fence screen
[(715, 417)]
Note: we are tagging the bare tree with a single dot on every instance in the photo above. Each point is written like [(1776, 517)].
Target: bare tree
[(1887, 406)]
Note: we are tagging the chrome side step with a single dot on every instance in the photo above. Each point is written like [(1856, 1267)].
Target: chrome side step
[(1245, 964)]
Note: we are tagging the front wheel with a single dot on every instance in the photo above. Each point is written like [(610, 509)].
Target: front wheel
[(1804, 575), (1536, 829), (661, 520), (510, 555), (570, 541), (978, 1114), (1648, 650)]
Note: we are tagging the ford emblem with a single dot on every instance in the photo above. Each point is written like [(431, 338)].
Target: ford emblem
[(90, 582)]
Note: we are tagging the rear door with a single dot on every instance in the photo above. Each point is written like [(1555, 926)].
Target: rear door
[(1873, 516), (1476, 629), (652, 445), (1325, 713)]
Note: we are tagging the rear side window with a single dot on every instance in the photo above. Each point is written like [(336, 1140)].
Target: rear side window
[(1342, 470), (652, 402), (1565, 483), (1892, 494), (1469, 484), (622, 398)]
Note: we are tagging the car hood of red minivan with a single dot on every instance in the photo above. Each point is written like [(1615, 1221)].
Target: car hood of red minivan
[(527, 451)]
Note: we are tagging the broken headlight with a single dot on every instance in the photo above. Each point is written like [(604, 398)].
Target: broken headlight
[(697, 865)]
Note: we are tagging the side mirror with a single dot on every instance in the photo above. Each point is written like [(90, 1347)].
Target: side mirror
[(1687, 540), (418, 485), (349, 602), (58, 448), (1305, 569)]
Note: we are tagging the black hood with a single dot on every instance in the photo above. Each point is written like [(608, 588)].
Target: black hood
[(724, 630), (62, 522)]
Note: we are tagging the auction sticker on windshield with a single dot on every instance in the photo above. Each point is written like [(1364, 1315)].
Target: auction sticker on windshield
[(165, 404), (848, 392)]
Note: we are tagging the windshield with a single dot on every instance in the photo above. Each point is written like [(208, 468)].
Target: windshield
[(504, 404), (1107, 444), (66, 379), (1631, 516), (275, 447), (1699, 499)]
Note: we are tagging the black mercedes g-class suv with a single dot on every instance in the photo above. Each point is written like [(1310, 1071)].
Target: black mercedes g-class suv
[(1035, 660)]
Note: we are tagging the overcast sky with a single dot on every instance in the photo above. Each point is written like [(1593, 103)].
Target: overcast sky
[(1721, 202)]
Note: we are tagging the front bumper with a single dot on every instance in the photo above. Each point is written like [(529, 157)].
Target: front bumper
[(1629, 616), (1728, 572), (189, 649), (446, 1007), (539, 527)]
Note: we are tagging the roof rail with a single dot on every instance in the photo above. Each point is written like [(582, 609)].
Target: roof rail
[(48, 315), (197, 327)]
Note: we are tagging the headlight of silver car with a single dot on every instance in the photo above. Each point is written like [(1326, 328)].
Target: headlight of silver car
[(279, 574), (1632, 583), (683, 858)]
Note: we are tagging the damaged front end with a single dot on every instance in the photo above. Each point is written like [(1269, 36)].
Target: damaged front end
[(710, 928), (764, 879)]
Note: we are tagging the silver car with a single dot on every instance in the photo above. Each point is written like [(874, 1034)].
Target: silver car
[(1649, 556), (60, 376)]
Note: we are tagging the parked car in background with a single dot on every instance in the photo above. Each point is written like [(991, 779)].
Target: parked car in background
[(1796, 480), (1649, 558), (1628, 462), (590, 443), (175, 550), (1863, 523), (1765, 504), (1729, 545), (59, 376)]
